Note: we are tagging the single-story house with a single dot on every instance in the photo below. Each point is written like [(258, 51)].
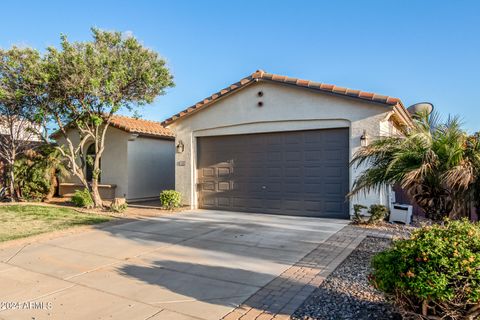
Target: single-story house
[(137, 164), (280, 145), (17, 134)]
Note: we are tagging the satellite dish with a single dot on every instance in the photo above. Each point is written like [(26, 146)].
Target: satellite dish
[(420, 107)]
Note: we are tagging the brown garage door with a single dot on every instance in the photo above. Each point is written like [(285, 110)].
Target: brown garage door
[(296, 173)]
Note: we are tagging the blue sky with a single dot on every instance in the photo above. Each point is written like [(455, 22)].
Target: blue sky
[(414, 50)]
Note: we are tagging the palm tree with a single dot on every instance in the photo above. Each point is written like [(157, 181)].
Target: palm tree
[(55, 165), (37, 173), (435, 162)]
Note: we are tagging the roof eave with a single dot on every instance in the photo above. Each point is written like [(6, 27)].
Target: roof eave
[(196, 108), (257, 78), (152, 135)]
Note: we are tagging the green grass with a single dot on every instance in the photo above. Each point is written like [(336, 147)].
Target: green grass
[(20, 221)]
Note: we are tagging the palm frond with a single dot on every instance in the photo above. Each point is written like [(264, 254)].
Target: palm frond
[(436, 162)]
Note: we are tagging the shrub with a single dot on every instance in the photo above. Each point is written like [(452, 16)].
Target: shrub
[(36, 173), (119, 208), (357, 214), (377, 213), (31, 180), (82, 198), (435, 274), (170, 199)]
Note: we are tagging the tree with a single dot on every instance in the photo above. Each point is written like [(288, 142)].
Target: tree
[(86, 83), (17, 131), (436, 163)]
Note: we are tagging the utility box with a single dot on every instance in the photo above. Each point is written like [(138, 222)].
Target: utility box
[(401, 213)]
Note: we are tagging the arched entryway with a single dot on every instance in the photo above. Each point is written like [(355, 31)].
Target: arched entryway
[(90, 158)]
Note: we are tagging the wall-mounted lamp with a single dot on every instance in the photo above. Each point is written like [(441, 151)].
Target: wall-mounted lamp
[(180, 146), (364, 139)]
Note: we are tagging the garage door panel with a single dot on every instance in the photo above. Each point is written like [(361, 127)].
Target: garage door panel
[(314, 189), (313, 155), (224, 171), (296, 173), (313, 205), (275, 155), (292, 172), (274, 172), (247, 203), (273, 203), (224, 186)]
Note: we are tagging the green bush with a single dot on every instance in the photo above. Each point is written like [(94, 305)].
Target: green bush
[(31, 177), (118, 208), (435, 274), (357, 213), (36, 173), (377, 213), (82, 198), (170, 199)]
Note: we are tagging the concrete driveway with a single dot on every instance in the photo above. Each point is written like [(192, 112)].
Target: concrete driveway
[(194, 265)]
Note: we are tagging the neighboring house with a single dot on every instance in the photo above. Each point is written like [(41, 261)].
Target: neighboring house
[(138, 161), (16, 135), (275, 144), (19, 129)]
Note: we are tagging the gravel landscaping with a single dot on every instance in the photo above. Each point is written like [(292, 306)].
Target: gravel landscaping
[(346, 293)]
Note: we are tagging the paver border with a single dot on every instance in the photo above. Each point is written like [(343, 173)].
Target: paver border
[(282, 296)]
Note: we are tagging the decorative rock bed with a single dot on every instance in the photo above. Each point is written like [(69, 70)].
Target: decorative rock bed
[(346, 293)]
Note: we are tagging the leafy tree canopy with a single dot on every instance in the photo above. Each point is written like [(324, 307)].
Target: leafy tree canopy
[(90, 81), (83, 84)]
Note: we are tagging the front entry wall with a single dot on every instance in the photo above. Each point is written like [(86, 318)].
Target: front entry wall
[(284, 109), (296, 173)]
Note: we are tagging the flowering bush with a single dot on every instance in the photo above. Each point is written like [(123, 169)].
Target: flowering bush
[(435, 274)]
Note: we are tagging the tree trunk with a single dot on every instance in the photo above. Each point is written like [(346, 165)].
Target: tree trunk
[(11, 186), (97, 200), (99, 148), (53, 184)]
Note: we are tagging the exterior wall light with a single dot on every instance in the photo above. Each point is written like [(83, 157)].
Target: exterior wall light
[(180, 146), (364, 139)]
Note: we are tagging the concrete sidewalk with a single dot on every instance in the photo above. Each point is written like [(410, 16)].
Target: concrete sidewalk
[(195, 265)]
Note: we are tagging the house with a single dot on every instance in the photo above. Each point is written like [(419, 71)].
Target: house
[(17, 135), (138, 161), (280, 145)]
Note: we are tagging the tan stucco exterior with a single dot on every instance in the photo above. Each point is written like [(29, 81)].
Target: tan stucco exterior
[(139, 167), (285, 108), (151, 167)]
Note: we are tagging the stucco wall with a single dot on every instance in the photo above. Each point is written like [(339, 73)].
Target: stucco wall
[(285, 108), (114, 160), (151, 167), (140, 167)]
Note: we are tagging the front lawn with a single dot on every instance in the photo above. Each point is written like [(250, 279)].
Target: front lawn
[(19, 221)]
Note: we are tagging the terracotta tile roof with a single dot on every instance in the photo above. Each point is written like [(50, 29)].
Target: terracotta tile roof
[(141, 126), (261, 75), (138, 126)]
